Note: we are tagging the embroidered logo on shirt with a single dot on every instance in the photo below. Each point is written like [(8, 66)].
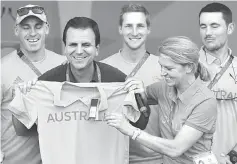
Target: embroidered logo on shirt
[(234, 78), (18, 80)]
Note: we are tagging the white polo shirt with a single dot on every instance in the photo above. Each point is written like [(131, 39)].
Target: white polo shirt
[(65, 133), (225, 90)]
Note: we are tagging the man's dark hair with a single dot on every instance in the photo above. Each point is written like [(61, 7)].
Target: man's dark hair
[(82, 23), (218, 7)]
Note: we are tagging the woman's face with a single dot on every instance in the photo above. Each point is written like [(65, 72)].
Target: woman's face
[(173, 73)]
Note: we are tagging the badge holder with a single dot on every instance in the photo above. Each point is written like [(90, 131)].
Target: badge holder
[(205, 158), (93, 111)]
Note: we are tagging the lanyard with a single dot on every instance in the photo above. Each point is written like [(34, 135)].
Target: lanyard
[(97, 69), (218, 75), (28, 62), (139, 64), (143, 108)]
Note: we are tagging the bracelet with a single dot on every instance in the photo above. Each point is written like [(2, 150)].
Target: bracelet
[(136, 133)]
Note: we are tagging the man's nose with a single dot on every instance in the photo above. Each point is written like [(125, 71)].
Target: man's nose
[(208, 31), (32, 32), (79, 49), (134, 31)]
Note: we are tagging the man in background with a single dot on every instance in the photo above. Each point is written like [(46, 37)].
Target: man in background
[(24, 64), (135, 61), (215, 22)]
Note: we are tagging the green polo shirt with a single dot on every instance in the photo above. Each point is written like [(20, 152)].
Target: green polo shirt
[(225, 90), (196, 107)]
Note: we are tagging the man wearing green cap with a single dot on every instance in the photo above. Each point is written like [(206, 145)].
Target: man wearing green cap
[(28, 62)]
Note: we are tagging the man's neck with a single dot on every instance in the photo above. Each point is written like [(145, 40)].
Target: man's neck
[(133, 56), (34, 56), (221, 54), (83, 75)]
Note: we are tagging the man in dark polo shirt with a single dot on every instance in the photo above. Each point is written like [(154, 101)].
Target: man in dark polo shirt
[(81, 38)]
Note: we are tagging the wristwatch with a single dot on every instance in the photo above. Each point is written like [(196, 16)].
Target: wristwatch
[(136, 133)]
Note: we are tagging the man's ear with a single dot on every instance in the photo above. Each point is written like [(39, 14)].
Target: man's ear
[(47, 26), (120, 29), (16, 30), (149, 30), (230, 28), (97, 50)]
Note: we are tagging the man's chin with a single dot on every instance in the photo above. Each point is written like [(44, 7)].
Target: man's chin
[(210, 48), (78, 66), (33, 48), (133, 47)]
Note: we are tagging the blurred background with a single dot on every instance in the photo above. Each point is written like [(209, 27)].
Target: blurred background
[(169, 18)]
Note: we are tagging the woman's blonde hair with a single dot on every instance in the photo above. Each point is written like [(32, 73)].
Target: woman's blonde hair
[(183, 51)]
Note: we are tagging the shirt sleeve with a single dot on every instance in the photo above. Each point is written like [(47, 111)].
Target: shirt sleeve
[(152, 97), (23, 108), (153, 93), (203, 117)]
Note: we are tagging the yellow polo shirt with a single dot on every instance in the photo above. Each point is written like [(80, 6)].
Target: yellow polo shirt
[(225, 90), (149, 73), (195, 107)]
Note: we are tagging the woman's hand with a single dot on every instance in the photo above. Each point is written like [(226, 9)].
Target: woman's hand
[(119, 122), (135, 85), (225, 159)]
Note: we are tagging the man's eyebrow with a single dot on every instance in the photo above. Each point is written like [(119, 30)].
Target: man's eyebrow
[(128, 23), (72, 43), (24, 25), (38, 24), (215, 23)]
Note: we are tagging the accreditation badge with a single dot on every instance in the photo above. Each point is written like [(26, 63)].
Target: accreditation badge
[(93, 111), (205, 158)]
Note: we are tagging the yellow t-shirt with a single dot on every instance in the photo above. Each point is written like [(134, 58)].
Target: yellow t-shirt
[(20, 149)]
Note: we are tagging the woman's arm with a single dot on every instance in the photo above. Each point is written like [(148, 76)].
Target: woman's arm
[(186, 137), (200, 121)]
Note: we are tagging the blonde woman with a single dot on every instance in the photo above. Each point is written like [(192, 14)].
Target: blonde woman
[(187, 107)]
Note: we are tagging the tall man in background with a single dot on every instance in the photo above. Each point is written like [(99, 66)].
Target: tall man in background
[(24, 64), (216, 26), (134, 27)]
